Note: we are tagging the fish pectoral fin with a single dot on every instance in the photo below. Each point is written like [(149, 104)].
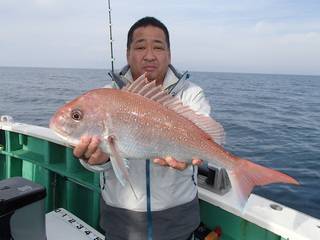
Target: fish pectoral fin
[(118, 164)]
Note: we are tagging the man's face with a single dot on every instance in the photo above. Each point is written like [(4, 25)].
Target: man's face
[(149, 53)]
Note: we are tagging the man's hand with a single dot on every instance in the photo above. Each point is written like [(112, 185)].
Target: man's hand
[(89, 151), (171, 162)]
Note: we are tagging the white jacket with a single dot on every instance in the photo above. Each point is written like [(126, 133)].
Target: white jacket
[(169, 187)]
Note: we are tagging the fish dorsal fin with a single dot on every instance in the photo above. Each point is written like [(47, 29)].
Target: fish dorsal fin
[(150, 90)]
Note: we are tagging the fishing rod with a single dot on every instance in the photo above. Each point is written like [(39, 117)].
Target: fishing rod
[(114, 77), (110, 37)]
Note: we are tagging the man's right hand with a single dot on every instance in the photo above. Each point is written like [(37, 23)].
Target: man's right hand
[(89, 151)]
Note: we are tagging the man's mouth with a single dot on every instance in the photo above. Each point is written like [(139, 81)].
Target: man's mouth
[(149, 68)]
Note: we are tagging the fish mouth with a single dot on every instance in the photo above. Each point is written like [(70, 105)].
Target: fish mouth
[(51, 124), (57, 125), (54, 121), (68, 141)]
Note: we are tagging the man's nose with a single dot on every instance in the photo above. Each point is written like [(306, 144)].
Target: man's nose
[(149, 55)]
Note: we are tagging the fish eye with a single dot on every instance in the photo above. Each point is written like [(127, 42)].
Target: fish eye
[(76, 114)]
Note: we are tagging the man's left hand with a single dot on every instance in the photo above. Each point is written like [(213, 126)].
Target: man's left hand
[(171, 162)]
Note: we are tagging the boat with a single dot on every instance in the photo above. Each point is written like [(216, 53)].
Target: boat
[(37, 154)]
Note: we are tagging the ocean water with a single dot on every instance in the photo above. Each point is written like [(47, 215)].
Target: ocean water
[(273, 120)]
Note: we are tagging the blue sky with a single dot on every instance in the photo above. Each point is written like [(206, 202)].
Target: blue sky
[(274, 36)]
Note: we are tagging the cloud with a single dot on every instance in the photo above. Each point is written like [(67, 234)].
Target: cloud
[(254, 36), (264, 47)]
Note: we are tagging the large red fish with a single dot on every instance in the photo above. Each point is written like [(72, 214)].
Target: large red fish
[(141, 121)]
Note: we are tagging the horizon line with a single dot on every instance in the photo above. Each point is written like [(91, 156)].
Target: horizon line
[(195, 71)]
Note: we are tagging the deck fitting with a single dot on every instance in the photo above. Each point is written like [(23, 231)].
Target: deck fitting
[(276, 207)]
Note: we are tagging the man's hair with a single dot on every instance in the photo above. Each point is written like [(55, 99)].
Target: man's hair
[(144, 22)]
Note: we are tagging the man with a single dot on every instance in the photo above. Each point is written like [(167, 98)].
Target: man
[(167, 207)]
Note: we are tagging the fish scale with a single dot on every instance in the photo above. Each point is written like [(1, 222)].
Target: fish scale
[(163, 128)]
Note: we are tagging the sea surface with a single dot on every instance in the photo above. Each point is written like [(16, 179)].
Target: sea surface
[(273, 120)]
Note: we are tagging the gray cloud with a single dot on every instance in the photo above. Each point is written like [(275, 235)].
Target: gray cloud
[(246, 36)]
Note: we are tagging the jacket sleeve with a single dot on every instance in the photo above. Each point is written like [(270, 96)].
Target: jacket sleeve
[(203, 104), (193, 96)]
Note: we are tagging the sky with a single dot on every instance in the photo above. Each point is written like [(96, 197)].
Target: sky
[(252, 36)]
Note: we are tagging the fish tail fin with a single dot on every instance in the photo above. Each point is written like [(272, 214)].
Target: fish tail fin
[(246, 175)]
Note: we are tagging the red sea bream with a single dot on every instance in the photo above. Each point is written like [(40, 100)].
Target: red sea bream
[(142, 121)]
